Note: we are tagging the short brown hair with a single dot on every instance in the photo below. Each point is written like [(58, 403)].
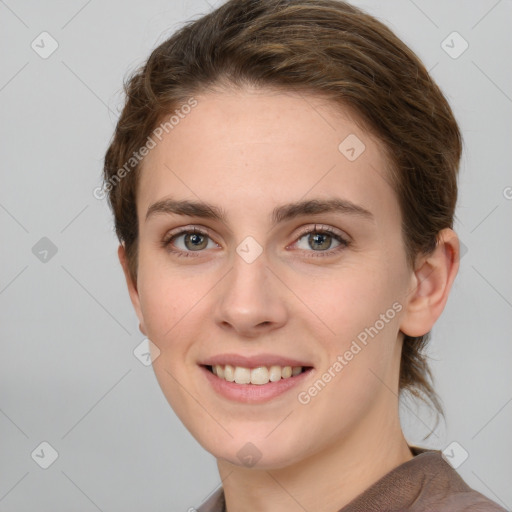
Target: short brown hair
[(328, 48)]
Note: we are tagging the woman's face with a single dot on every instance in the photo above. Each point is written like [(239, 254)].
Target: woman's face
[(270, 243)]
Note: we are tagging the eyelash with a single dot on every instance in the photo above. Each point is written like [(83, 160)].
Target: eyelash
[(324, 230)]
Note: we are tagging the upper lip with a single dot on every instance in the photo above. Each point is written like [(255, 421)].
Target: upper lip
[(252, 361)]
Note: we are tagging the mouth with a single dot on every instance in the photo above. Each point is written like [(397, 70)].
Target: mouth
[(254, 379), (258, 376)]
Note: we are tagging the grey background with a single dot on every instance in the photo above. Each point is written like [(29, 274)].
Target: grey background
[(68, 375)]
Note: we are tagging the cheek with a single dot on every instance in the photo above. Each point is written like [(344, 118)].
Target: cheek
[(166, 297), (348, 301), (169, 304), (360, 311), (160, 309)]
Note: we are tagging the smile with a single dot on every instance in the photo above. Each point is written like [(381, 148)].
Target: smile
[(256, 378), (259, 376)]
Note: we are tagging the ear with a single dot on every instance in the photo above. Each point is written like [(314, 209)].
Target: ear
[(431, 284), (132, 287)]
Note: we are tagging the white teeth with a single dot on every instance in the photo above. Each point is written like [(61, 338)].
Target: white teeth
[(229, 373), (275, 373), (261, 375), (296, 370), (286, 372), (242, 375)]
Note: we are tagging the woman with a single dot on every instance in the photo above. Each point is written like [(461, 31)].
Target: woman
[(283, 181)]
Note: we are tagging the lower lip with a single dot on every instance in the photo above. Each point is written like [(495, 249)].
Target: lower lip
[(252, 393)]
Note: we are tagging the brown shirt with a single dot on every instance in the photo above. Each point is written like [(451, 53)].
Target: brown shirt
[(426, 483)]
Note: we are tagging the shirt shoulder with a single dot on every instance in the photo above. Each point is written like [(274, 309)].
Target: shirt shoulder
[(215, 503), (444, 489), (426, 483)]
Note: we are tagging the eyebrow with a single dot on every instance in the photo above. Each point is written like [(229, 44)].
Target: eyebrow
[(281, 213)]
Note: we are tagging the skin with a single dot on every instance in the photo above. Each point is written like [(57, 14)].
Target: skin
[(247, 152)]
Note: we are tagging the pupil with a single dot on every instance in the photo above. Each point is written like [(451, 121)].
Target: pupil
[(196, 240), (320, 240)]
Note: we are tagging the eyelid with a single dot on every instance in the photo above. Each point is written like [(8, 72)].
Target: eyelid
[(322, 228), (188, 229), (342, 237)]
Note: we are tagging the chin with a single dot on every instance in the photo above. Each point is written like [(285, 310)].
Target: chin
[(254, 450)]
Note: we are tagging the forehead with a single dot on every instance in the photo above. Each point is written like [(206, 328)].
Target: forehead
[(252, 149)]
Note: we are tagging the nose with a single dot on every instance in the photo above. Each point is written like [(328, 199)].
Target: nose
[(251, 300)]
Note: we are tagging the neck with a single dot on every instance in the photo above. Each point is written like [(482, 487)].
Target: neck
[(326, 481)]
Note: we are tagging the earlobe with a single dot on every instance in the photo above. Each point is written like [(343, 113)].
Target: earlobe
[(431, 284), (132, 287)]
